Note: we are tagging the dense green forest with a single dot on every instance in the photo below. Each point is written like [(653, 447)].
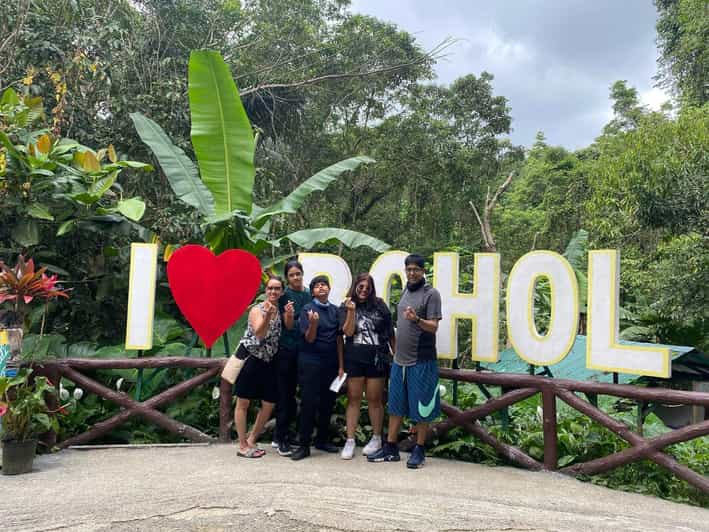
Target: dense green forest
[(322, 85)]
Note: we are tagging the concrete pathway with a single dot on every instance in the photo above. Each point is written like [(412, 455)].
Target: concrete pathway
[(211, 489)]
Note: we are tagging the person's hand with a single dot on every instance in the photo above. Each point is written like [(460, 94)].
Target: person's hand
[(289, 308), (349, 304), (313, 316), (340, 372), (410, 314), (270, 308)]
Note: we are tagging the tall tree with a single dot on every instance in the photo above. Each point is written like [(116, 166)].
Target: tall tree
[(683, 39), (541, 209)]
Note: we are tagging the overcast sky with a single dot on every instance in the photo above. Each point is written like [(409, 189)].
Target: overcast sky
[(554, 60)]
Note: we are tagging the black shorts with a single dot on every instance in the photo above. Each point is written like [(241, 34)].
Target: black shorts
[(354, 368), (257, 380)]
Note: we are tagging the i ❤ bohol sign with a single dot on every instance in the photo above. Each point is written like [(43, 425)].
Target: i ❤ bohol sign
[(228, 277)]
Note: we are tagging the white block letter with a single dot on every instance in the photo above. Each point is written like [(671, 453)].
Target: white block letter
[(602, 348), (481, 307), (141, 296), (333, 267), (384, 268), (559, 339)]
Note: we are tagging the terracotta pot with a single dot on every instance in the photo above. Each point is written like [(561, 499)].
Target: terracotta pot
[(17, 457)]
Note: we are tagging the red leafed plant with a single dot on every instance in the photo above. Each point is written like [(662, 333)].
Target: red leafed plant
[(22, 284)]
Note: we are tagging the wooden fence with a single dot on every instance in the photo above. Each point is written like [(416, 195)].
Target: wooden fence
[(71, 368), (516, 388)]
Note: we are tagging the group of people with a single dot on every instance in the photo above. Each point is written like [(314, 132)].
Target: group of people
[(296, 338)]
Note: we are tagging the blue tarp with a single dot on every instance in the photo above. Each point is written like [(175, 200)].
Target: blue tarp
[(573, 366)]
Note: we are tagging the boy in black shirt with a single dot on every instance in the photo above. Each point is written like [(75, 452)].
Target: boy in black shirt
[(317, 367)]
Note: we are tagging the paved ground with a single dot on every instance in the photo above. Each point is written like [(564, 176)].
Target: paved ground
[(210, 489)]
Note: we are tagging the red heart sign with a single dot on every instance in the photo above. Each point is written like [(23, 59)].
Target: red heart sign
[(212, 292)]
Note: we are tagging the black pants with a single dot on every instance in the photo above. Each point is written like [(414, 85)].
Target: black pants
[(286, 380), (317, 401)]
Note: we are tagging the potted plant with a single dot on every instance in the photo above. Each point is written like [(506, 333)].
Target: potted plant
[(20, 286), (25, 415)]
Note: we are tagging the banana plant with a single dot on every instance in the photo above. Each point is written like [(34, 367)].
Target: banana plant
[(220, 185)]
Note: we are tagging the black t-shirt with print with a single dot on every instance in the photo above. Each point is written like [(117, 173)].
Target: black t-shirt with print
[(373, 328)]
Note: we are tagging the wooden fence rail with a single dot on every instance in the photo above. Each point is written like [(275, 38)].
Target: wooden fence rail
[(516, 388), (71, 368), (524, 386)]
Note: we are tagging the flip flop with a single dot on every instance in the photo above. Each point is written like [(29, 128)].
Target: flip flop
[(251, 452)]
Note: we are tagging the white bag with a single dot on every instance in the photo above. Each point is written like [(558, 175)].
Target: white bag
[(232, 368)]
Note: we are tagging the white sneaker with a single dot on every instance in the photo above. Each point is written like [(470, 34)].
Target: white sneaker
[(348, 450), (274, 444), (373, 446)]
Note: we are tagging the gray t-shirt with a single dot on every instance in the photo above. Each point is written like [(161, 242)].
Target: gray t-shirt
[(413, 344)]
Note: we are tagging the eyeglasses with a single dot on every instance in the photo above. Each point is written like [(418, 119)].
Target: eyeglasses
[(362, 287)]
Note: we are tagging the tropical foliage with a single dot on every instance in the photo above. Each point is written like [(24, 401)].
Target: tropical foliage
[(264, 120), (23, 407), (21, 285), (222, 190), (579, 440)]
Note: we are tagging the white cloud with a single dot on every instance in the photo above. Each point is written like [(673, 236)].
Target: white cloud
[(654, 98), (554, 61)]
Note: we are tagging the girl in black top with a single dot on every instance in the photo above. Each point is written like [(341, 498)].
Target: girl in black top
[(367, 326)]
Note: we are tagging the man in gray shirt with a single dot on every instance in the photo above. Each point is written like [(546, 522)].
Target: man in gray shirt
[(413, 383)]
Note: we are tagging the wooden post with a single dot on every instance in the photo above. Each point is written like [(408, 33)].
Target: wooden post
[(549, 424), (640, 419), (225, 392), (455, 383), (49, 438)]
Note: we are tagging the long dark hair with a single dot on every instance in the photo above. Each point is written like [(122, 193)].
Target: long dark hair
[(292, 263), (372, 299)]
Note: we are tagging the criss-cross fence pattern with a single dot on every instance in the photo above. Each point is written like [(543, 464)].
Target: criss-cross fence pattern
[(517, 387), (72, 369)]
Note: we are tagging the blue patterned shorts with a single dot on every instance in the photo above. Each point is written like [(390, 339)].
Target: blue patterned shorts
[(413, 391)]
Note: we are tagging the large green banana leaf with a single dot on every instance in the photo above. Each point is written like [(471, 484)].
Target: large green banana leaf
[(221, 133), (576, 249), (575, 253), (320, 181), (307, 238), (181, 172)]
